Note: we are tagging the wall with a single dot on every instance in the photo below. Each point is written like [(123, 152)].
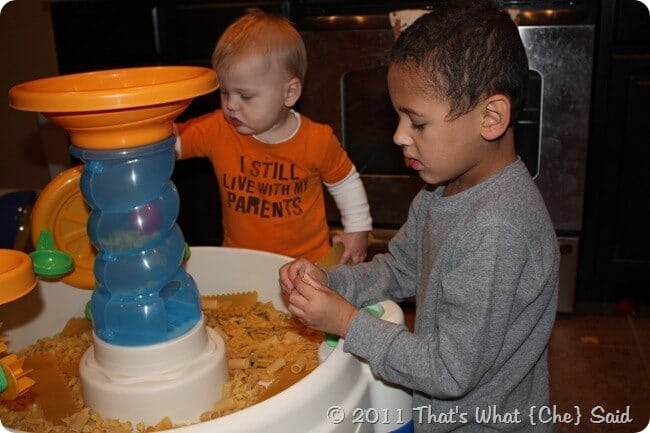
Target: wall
[(27, 52)]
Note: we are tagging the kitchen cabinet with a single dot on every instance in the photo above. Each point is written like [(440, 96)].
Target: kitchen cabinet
[(615, 263)]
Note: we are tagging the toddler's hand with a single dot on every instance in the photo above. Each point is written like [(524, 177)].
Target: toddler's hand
[(355, 246)]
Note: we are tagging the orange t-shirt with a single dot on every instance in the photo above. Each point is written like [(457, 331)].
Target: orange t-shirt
[(271, 194)]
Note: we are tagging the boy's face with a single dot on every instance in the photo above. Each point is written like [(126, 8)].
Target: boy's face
[(253, 93), (438, 149)]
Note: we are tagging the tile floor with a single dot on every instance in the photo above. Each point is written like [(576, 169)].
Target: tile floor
[(598, 358)]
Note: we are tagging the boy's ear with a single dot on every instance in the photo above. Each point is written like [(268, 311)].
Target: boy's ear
[(495, 117), (293, 90)]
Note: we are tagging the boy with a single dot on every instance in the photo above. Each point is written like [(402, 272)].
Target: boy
[(269, 160), (478, 250)]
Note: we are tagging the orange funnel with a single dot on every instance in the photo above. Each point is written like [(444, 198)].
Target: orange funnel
[(117, 108)]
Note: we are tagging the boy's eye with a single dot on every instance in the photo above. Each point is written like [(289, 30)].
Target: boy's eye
[(417, 126), (246, 97)]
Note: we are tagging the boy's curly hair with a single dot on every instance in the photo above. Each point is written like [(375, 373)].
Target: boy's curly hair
[(263, 33), (467, 50)]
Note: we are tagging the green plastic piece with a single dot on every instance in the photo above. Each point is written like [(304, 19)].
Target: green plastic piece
[(186, 252), (331, 339), (47, 261), (88, 312), (3, 381), (375, 310)]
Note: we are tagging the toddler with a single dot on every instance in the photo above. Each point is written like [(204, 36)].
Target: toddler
[(270, 161)]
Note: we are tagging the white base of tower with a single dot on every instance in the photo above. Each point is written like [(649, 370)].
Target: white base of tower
[(178, 379)]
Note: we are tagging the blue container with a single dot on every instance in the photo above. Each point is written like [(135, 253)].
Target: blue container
[(143, 295)]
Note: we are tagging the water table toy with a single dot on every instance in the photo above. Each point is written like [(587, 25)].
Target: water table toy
[(150, 341), (152, 355), (341, 381)]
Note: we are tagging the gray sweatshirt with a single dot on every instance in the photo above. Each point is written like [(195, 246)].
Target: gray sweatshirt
[(483, 267)]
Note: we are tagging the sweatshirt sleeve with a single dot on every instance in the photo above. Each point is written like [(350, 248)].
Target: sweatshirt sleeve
[(451, 354), (387, 276)]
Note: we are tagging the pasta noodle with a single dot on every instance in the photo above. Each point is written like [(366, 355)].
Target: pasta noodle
[(299, 365), (209, 304), (227, 404), (291, 337), (276, 365), (226, 390), (241, 363), (260, 342)]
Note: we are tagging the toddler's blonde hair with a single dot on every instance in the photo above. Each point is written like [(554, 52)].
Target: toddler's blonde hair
[(259, 32)]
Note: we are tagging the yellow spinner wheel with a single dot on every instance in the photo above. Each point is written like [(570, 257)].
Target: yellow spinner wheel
[(61, 209), (17, 381)]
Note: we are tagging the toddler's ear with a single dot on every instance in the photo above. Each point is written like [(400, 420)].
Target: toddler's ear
[(293, 90), (495, 117)]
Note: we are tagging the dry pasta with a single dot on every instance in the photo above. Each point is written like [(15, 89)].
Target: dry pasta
[(291, 337), (276, 365), (241, 363), (299, 365), (262, 344)]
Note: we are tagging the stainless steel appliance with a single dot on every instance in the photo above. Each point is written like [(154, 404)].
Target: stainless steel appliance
[(347, 46)]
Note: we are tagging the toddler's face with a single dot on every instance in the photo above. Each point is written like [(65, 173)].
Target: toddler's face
[(253, 90), (438, 149)]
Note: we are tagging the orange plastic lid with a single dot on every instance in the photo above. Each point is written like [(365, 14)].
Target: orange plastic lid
[(16, 275), (113, 89), (61, 209), (116, 108)]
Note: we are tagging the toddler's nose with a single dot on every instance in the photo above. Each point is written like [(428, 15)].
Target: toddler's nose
[(231, 104)]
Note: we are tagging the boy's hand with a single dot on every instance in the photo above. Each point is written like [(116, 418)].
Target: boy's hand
[(355, 246), (299, 267), (319, 307)]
